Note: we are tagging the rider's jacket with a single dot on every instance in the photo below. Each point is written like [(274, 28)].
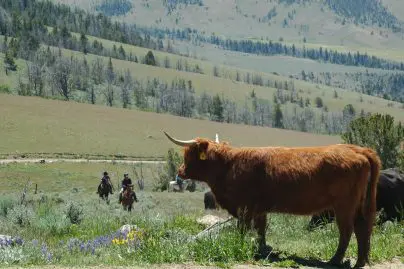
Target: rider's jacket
[(126, 181)]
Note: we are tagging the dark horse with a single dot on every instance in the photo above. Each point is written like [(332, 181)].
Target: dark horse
[(128, 197), (103, 191)]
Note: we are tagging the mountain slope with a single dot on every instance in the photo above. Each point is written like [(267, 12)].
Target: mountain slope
[(327, 22)]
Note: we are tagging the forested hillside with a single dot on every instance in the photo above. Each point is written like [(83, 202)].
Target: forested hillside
[(65, 58)]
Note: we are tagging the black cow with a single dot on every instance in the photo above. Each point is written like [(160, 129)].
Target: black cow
[(390, 199), (210, 200)]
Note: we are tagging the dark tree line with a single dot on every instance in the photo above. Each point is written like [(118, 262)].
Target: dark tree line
[(28, 15), (368, 12), (114, 7), (172, 5), (389, 86), (324, 55)]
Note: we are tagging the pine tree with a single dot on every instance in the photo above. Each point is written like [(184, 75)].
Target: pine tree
[(217, 108), (9, 63), (84, 43), (278, 117), (149, 58)]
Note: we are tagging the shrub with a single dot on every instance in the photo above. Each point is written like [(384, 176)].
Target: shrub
[(74, 213), (6, 204), (5, 89), (380, 133), (21, 215), (173, 161)]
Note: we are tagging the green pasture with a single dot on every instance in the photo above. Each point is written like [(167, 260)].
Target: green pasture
[(167, 221)]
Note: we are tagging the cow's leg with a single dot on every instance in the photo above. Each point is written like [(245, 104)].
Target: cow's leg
[(260, 224), (345, 222), (363, 238), (244, 218)]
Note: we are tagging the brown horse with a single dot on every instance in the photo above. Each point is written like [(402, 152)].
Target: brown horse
[(103, 191), (128, 197)]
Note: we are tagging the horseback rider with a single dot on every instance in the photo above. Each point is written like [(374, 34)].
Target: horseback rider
[(126, 182), (106, 180), (179, 181)]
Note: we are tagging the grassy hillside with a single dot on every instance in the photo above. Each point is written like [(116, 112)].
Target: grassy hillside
[(321, 22), (238, 91), (207, 56), (31, 124)]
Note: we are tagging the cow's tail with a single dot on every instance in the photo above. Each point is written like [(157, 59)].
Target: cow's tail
[(369, 206), (367, 213)]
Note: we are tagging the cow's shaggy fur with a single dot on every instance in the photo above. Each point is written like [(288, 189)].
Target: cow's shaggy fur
[(389, 200), (249, 182)]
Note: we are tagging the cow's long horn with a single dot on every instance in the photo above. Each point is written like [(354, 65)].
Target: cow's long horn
[(180, 142), (217, 138)]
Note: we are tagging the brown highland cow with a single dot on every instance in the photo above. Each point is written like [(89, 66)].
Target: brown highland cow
[(301, 181)]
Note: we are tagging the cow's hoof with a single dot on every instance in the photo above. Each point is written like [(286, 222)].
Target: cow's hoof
[(263, 252), (359, 265), (339, 263), (335, 262)]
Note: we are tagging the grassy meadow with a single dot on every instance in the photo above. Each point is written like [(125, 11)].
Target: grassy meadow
[(37, 125), (66, 224)]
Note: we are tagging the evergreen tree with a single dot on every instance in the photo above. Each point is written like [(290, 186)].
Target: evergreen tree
[(149, 58), (84, 43), (278, 117), (9, 63), (217, 108)]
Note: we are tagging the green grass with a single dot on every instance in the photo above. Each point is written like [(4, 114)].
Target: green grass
[(35, 125), (168, 221)]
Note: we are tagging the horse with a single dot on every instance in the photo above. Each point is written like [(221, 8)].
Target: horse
[(128, 197), (103, 191)]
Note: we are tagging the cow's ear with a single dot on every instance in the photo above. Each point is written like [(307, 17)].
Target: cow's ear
[(203, 148)]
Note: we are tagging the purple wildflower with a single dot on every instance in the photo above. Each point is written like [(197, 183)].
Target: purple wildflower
[(81, 247), (19, 241)]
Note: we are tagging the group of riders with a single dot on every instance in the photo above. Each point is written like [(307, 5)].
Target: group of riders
[(126, 184)]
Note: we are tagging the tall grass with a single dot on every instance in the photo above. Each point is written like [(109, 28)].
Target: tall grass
[(165, 236)]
